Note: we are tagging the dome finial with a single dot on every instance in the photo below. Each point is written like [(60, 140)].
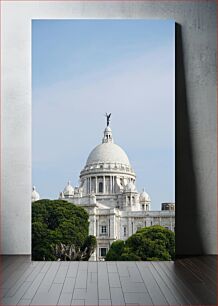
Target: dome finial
[(108, 118), (108, 137), (107, 132)]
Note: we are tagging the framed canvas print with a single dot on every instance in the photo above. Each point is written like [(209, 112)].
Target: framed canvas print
[(103, 139), (102, 83)]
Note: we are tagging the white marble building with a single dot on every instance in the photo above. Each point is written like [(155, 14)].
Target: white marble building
[(108, 192)]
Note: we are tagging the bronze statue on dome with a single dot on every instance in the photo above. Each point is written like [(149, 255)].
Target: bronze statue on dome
[(108, 118)]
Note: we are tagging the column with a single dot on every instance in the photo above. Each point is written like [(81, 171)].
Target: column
[(129, 228), (96, 185), (89, 184), (111, 184), (103, 184), (92, 184), (96, 228), (112, 225)]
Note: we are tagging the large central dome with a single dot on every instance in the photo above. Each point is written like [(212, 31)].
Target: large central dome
[(108, 152), (107, 170)]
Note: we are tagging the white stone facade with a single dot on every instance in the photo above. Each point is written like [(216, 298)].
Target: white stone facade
[(107, 191)]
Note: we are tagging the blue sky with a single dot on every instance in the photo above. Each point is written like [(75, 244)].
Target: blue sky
[(84, 68)]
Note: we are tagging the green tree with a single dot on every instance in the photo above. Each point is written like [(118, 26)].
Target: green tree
[(115, 250), (60, 231), (149, 243)]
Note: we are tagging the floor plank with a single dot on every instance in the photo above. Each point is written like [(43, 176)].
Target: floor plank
[(195, 284), (17, 296), (31, 291), (155, 292), (49, 277), (103, 282), (48, 298), (69, 285), (170, 280), (65, 298), (167, 291), (32, 270), (207, 273), (180, 283)]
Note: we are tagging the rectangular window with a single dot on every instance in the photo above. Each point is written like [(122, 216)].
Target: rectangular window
[(103, 230), (100, 187), (124, 231), (102, 252)]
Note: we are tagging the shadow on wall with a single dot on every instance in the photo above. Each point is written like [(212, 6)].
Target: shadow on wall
[(189, 240)]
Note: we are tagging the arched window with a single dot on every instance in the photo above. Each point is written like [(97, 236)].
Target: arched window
[(100, 187)]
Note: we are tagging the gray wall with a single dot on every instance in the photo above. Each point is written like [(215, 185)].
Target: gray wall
[(196, 142)]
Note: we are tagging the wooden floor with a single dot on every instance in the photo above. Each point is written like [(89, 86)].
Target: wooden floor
[(189, 281)]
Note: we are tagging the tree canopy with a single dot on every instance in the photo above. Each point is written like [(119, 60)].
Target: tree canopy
[(149, 243), (60, 231)]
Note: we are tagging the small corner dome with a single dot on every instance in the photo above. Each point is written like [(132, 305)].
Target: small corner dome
[(35, 195), (68, 190), (108, 153), (144, 197)]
